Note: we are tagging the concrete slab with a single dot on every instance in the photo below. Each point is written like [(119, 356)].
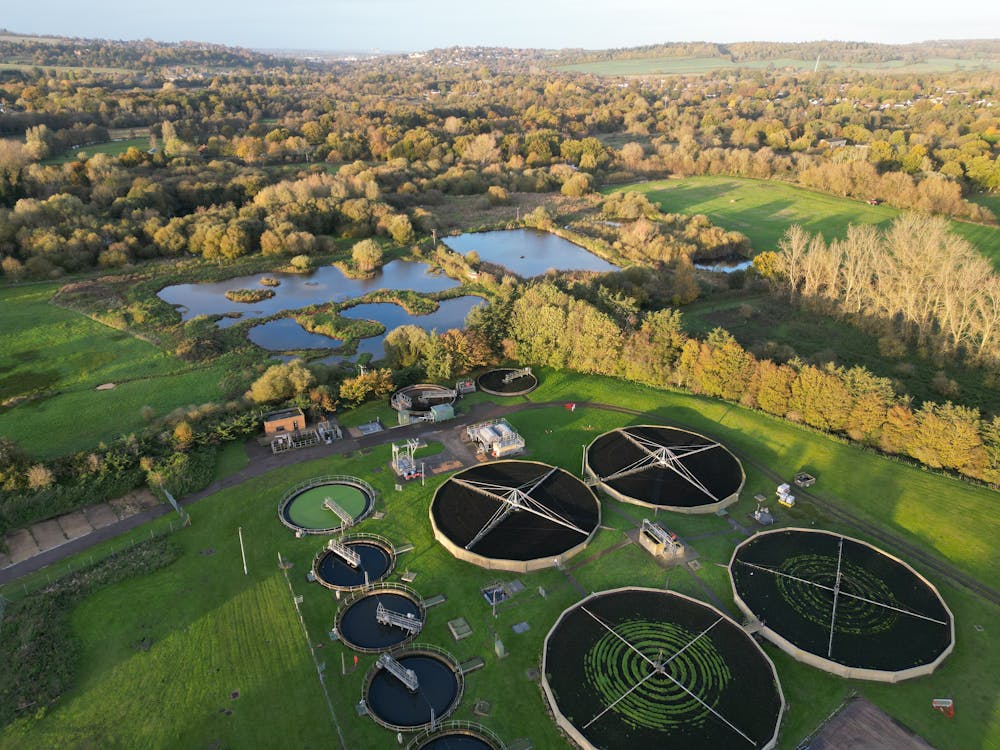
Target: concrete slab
[(21, 545), (146, 499), (48, 534), (75, 525), (862, 726), (100, 515), (124, 507)]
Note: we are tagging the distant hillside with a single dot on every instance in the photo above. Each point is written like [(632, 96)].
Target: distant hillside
[(699, 57), (108, 55)]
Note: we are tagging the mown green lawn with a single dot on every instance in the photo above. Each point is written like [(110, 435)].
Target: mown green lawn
[(61, 356), (763, 210), (214, 631)]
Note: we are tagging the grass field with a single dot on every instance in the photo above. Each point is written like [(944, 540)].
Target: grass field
[(114, 148), (46, 349), (225, 632), (990, 200), (692, 65), (763, 210)]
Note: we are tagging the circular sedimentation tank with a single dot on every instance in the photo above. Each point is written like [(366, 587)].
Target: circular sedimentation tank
[(456, 735), (303, 507), (492, 382), (665, 468), (378, 558), (514, 515), (440, 685), (638, 668), (841, 604), (418, 399), (357, 622)]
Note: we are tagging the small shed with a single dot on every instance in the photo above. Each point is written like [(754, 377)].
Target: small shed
[(285, 420), (442, 412)]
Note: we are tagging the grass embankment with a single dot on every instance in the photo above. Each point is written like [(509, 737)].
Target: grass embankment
[(763, 210), (59, 356), (227, 632), (38, 655)]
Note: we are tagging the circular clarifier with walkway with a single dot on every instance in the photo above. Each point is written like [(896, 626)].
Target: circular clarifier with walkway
[(507, 381), (411, 688), (456, 735), (380, 617), (370, 558), (326, 505)]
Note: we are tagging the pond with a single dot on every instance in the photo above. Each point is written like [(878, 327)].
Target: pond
[(287, 333), (451, 313), (528, 252), (326, 284)]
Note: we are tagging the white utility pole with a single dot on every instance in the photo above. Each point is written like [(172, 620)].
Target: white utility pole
[(243, 552)]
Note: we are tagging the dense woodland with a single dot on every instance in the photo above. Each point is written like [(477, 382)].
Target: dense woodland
[(238, 156)]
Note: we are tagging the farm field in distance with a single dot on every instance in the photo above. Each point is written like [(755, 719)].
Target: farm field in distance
[(645, 66), (112, 148), (231, 633), (763, 210), (46, 349)]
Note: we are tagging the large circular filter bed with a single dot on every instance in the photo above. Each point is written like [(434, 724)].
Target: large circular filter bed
[(665, 468), (438, 689), (305, 510), (841, 604), (514, 515), (358, 622), (636, 668), (376, 562)]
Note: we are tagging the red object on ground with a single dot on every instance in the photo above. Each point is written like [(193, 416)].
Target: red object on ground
[(945, 706)]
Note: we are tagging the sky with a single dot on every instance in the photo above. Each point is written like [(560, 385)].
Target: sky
[(409, 25)]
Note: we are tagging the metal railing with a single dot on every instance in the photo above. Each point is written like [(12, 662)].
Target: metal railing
[(401, 652), (389, 588), (298, 489), (459, 726), (347, 539)]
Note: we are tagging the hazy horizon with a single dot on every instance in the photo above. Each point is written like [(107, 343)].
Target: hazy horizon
[(405, 26)]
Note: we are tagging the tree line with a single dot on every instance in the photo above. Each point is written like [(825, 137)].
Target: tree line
[(547, 326), (913, 279)]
